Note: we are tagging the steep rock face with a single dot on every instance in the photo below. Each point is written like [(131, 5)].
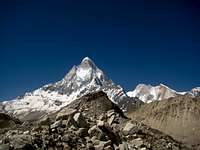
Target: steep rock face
[(8, 121), (81, 80), (178, 117), (84, 79)]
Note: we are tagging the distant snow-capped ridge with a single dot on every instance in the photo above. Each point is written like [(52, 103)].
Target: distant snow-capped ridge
[(195, 91), (149, 93), (80, 80)]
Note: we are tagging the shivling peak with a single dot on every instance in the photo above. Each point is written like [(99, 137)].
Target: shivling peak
[(87, 60)]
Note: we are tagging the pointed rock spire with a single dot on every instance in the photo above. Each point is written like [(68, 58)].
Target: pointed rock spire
[(87, 59), (87, 63)]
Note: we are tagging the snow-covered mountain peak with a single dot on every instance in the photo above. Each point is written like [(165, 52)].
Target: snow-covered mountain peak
[(162, 85), (80, 80), (84, 74), (87, 59), (166, 87), (141, 85), (148, 93), (196, 91), (86, 71), (87, 63)]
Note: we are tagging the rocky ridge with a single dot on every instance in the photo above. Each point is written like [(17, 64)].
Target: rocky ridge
[(81, 80)]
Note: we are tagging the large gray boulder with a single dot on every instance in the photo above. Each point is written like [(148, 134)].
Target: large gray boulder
[(80, 120), (21, 141), (128, 128), (65, 113)]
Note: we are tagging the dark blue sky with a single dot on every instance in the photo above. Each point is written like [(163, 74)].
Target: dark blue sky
[(131, 41)]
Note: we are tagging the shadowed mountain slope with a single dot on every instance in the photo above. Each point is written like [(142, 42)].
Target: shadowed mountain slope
[(178, 117)]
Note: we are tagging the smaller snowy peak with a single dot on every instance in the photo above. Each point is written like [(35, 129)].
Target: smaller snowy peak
[(168, 88), (196, 92), (163, 85), (140, 86), (149, 93)]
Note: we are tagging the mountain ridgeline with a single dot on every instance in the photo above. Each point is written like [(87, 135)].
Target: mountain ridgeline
[(80, 80), (87, 110)]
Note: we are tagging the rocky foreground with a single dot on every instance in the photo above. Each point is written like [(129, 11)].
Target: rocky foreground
[(92, 122)]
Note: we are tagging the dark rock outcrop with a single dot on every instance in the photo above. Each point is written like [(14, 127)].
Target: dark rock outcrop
[(7, 121)]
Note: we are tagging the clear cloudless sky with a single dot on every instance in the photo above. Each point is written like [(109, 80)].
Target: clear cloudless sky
[(133, 42)]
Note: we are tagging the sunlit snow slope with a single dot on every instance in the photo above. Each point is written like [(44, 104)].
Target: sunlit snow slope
[(80, 80), (149, 93)]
